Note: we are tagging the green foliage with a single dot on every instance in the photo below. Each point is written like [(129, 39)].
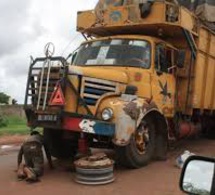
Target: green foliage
[(14, 102), (16, 120), (4, 98), (15, 125), (14, 130), (3, 121)]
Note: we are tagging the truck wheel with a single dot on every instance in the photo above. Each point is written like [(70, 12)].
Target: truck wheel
[(141, 148), (59, 148)]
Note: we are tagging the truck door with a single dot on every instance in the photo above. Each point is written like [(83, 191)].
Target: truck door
[(164, 82)]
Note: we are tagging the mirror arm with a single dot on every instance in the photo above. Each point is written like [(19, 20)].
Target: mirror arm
[(213, 184), (172, 68)]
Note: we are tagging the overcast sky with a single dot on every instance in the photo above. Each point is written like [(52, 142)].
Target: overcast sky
[(26, 26)]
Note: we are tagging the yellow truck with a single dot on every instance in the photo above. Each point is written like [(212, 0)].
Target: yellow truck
[(144, 77)]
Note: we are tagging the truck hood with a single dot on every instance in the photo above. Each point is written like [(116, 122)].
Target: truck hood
[(107, 73)]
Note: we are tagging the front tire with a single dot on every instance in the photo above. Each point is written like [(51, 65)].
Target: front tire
[(140, 150)]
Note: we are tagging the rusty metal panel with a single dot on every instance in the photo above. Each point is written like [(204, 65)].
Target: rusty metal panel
[(203, 39), (204, 74), (85, 20), (212, 45), (125, 126), (115, 16), (70, 96), (209, 87), (186, 19), (156, 16), (134, 13), (198, 81)]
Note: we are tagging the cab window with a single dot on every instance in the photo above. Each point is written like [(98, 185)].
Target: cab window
[(115, 52), (163, 58)]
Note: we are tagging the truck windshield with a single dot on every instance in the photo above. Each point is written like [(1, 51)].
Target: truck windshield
[(115, 52)]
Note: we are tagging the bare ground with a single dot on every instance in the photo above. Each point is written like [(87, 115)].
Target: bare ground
[(158, 178), (11, 139)]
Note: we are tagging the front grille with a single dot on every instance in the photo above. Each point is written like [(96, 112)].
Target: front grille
[(93, 89)]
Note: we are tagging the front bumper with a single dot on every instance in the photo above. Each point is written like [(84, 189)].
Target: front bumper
[(91, 126), (71, 122)]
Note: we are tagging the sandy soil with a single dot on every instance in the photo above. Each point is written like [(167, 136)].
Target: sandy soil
[(158, 178), (11, 139)]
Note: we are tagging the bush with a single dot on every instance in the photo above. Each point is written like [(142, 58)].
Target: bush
[(3, 121)]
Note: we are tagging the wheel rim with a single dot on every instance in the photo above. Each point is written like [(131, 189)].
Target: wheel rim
[(142, 139)]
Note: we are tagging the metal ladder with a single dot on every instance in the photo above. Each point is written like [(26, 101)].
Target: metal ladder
[(40, 83), (48, 64)]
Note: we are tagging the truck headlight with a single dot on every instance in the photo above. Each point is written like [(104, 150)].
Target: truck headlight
[(107, 114)]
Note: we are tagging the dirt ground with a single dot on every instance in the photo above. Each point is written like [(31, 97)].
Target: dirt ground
[(158, 178), (11, 139)]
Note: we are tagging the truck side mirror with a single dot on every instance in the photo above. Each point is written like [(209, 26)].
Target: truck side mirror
[(197, 176), (180, 58)]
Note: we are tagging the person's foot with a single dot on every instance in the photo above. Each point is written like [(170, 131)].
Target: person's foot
[(21, 177), (20, 172), (30, 180), (31, 176)]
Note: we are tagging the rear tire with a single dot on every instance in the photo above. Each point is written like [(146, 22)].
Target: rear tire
[(131, 155)]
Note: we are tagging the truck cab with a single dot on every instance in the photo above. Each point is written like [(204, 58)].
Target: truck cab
[(145, 62)]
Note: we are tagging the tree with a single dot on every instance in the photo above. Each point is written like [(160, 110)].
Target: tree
[(14, 102), (4, 98)]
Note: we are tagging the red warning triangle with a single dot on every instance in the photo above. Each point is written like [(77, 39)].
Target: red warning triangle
[(57, 97)]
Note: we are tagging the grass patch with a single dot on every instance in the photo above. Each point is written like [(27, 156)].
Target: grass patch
[(15, 125)]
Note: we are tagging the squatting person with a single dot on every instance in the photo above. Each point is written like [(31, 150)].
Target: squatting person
[(32, 151)]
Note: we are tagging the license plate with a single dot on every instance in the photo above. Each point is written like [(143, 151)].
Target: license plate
[(47, 117)]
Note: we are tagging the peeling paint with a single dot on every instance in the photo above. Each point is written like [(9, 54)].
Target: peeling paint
[(149, 106), (125, 126), (132, 110), (129, 117)]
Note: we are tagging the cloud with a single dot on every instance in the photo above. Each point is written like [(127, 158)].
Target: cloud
[(17, 25), (26, 26)]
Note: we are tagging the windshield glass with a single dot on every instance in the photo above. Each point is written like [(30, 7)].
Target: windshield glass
[(117, 52)]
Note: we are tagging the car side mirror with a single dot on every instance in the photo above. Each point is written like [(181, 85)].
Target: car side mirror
[(180, 58), (197, 176)]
